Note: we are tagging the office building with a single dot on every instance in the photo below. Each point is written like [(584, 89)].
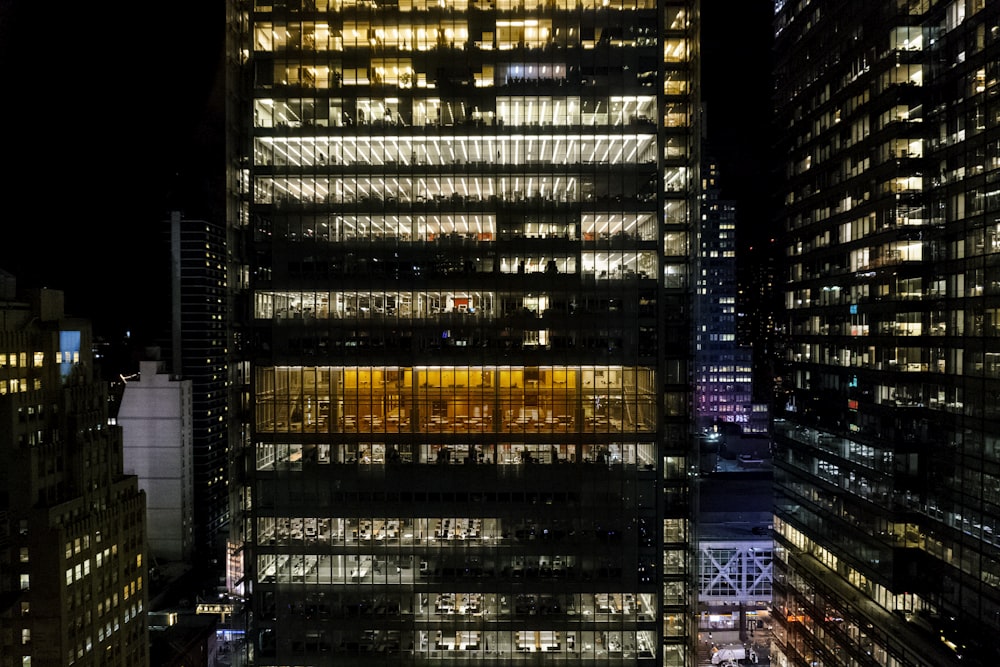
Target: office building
[(156, 422), (724, 391), (467, 229), (72, 525), (199, 352), (887, 455)]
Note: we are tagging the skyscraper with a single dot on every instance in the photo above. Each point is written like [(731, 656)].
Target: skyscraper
[(72, 525), (887, 461), (465, 232), (723, 366), (199, 353)]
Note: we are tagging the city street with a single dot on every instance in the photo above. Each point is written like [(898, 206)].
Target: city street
[(760, 642)]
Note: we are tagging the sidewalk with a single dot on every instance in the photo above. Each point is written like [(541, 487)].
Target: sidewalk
[(760, 643)]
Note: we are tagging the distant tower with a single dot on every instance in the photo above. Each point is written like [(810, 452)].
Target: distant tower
[(72, 525), (198, 341), (723, 367)]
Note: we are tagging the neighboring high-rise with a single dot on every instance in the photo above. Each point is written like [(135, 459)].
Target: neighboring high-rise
[(888, 457), (465, 231), (199, 353), (723, 367), (72, 525)]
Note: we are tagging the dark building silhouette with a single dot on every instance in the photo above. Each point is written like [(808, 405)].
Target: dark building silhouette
[(887, 454), (199, 353), (759, 302)]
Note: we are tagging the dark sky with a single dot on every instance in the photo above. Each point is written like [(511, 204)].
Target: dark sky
[(112, 118), (104, 115), (736, 90)]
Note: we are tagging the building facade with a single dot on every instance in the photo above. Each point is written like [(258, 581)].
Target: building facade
[(466, 229), (156, 421), (887, 456), (200, 353), (72, 524), (724, 390)]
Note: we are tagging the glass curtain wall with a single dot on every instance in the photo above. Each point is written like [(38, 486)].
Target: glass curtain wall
[(887, 454), (466, 234)]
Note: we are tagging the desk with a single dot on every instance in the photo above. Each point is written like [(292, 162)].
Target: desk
[(537, 641), (445, 603), (457, 603), (521, 423), (463, 640), (607, 603), (598, 423)]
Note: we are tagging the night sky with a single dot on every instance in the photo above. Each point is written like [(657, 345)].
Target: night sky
[(112, 119), (107, 117), (736, 91)]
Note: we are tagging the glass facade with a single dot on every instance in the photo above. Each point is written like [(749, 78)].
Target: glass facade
[(465, 231), (887, 455)]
